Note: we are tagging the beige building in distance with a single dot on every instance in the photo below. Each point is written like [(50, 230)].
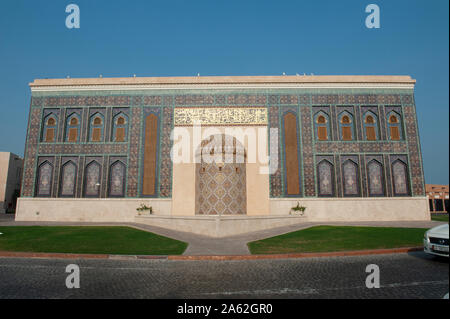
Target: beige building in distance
[(438, 197), (10, 179)]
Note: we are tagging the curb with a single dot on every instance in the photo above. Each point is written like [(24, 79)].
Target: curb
[(217, 258), (301, 255), (12, 254)]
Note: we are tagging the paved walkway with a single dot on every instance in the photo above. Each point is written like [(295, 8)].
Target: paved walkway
[(412, 275), (232, 245)]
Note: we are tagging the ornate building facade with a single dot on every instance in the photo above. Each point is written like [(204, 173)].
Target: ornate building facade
[(346, 148)]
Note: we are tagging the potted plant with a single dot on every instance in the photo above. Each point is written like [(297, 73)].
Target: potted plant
[(298, 209), (144, 208)]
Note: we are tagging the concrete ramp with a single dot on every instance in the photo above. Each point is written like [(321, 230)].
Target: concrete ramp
[(220, 226)]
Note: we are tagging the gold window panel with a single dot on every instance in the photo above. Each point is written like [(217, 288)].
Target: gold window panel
[(73, 134), (50, 135)]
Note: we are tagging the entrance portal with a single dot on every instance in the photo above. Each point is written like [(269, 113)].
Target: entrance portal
[(220, 180)]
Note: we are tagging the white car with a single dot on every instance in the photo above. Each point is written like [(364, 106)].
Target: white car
[(435, 241)]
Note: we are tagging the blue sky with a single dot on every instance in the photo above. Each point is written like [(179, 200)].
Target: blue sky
[(183, 38)]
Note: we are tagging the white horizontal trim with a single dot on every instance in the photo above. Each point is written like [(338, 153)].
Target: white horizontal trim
[(218, 217), (342, 199), (221, 86), (89, 199)]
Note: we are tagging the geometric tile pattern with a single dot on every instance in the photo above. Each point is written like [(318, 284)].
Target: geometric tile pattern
[(360, 147), (83, 148), (220, 190), (165, 176), (276, 188), (415, 157), (308, 152), (378, 101), (31, 147), (134, 146)]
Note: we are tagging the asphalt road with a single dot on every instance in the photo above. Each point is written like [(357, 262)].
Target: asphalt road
[(413, 275)]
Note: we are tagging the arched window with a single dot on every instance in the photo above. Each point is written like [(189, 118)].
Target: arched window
[(351, 180), (92, 179), (72, 128), (120, 128), (346, 126), (117, 179), (68, 179), (394, 125), (325, 172), (96, 128), (370, 126), (44, 180), (400, 178), (322, 123), (375, 176), (50, 128)]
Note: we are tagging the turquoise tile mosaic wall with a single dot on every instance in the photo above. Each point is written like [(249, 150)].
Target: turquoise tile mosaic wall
[(303, 102)]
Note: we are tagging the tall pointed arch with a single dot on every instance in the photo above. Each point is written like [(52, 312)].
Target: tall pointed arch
[(73, 124), (325, 174), (394, 123), (50, 128), (375, 178), (68, 179), (370, 123), (92, 179), (117, 179), (350, 178), (96, 127), (346, 126), (400, 178), (120, 127), (44, 180), (322, 126)]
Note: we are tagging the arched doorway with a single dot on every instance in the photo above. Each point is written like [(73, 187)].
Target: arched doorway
[(220, 178)]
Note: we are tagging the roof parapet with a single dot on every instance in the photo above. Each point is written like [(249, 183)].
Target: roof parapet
[(211, 80)]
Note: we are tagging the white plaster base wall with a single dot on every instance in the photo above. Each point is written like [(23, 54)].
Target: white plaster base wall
[(317, 209), (87, 210), (215, 226), (356, 209)]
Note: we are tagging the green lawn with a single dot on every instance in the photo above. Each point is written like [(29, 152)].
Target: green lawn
[(338, 238), (87, 240), (440, 218)]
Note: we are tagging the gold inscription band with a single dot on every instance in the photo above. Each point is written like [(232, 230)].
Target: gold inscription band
[(220, 116)]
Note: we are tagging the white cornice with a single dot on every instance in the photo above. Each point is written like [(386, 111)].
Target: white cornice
[(150, 87)]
